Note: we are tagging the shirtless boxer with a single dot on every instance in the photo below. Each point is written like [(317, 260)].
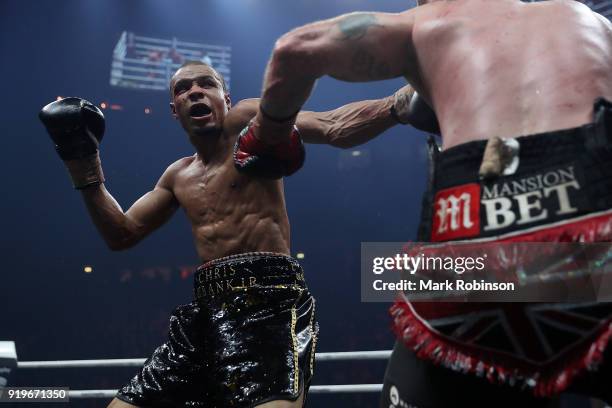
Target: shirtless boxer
[(492, 71), (248, 338)]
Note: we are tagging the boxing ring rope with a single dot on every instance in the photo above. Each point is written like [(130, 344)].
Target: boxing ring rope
[(136, 362), (314, 389)]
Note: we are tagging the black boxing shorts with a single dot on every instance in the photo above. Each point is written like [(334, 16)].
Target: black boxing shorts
[(561, 191), (247, 338)]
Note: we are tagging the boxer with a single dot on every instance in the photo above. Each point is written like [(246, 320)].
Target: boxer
[(248, 338), (519, 90)]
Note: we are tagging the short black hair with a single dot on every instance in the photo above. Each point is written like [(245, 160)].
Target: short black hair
[(197, 62)]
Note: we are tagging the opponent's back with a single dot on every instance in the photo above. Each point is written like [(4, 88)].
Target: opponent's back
[(507, 68)]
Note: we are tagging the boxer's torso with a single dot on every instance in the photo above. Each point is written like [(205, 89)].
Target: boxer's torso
[(506, 68), (230, 212)]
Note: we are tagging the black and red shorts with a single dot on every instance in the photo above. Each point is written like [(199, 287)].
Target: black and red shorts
[(560, 192)]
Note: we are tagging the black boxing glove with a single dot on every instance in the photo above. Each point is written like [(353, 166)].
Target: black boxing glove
[(255, 157), (76, 127), (410, 109)]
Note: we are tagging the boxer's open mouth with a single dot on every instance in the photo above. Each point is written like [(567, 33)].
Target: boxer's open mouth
[(199, 110)]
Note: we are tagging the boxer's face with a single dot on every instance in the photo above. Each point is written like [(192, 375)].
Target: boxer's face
[(198, 99)]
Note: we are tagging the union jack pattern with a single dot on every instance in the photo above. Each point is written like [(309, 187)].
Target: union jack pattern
[(534, 333)]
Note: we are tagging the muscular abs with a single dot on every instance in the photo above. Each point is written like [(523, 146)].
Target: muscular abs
[(231, 213)]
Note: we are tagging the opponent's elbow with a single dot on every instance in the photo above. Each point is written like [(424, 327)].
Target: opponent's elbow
[(298, 51), (288, 49)]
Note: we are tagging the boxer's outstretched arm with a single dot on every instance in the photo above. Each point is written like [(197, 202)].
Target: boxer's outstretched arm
[(347, 126), (352, 124), (351, 47), (359, 122), (123, 230)]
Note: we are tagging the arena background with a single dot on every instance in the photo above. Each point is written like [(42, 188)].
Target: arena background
[(53, 310)]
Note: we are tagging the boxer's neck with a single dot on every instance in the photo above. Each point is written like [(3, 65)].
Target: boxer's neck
[(212, 148)]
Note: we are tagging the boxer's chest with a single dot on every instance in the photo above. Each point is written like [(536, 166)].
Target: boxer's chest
[(214, 195)]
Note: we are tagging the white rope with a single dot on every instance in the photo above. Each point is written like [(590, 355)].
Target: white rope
[(324, 389), (354, 355), (136, 362), (117, 362), (92, 393), (315, 389)]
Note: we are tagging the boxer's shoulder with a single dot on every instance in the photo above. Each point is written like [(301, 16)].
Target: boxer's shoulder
[(176, 171), (240, 115)]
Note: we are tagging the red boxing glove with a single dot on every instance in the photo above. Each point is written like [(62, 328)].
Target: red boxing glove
[(252, 156)]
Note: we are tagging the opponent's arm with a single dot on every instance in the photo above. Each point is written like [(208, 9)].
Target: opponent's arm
[(256, 157), (76, 127), (351, 47)]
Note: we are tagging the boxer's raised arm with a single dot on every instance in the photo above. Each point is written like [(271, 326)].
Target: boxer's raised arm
[(351, 47), (122, 230), (76, 127)]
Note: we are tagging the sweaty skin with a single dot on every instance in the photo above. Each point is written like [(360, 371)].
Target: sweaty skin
[(488, 68), (229, 212)]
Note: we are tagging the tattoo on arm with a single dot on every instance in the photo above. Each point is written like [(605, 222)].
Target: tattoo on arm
[(366, 66), (355, 26)]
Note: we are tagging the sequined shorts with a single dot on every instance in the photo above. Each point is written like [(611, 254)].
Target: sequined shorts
[(247, 338)]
